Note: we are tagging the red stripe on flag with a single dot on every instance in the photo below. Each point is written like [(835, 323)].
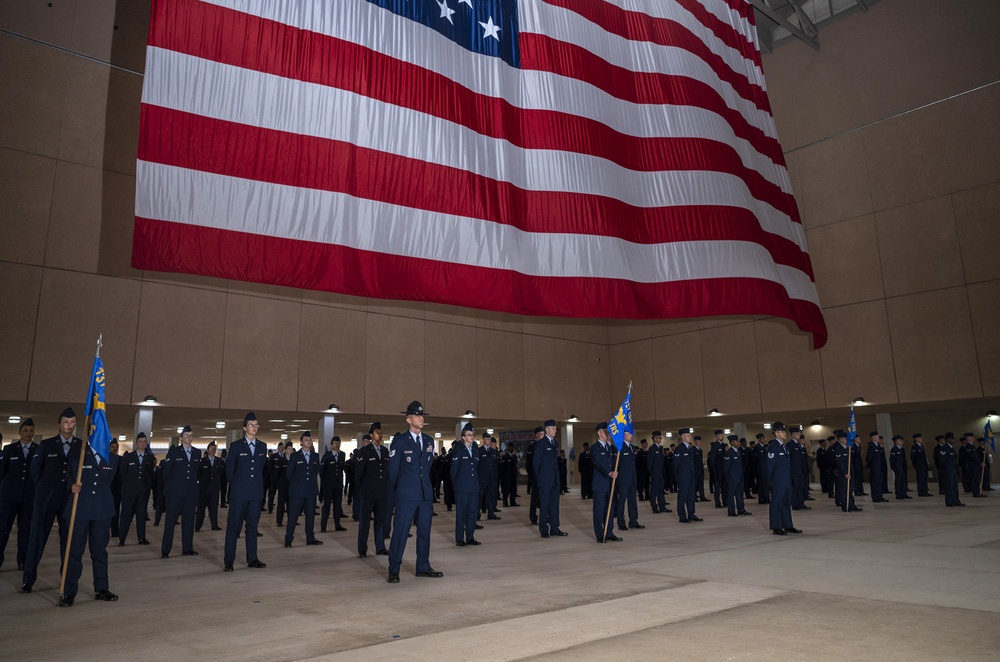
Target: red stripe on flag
[(177, 247), (636, 26), (234, 150), (332, 62), (724, 31)]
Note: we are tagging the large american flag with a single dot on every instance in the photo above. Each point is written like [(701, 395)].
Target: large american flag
[(578, 158)]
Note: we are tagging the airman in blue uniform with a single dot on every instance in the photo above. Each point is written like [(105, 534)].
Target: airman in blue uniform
[(244, 472), (302, 472), (488, 474), (331, 472), (92, 524), (210, 477), (49, 470), (685, 474), (602, 456), (529, 466), (949, 472), (918, 458), (371, 489), (180, 482), (779, 479), (17, 490), (627, 486), (546, 464), (410, 456), (656, 464), (732, 472), (466, 478), (137, 467), (897, 457), (875, 459), (844, 477)]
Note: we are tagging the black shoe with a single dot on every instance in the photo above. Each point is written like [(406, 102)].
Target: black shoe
[(559, 533), (256, 563), (695, 518), (461, 543), (744, 512), (190, 552), (121, 543), (855, 509), (25, 588), (323, 530), (792, 529), (637, 526), (779, 532), (533, 521), (217, 528), (228, 567), (614, 539), (622, 527), (479, 526), (545, 535), (197, 530), (806, 508), (430, 572), (382, 552), (393, 578), (684, 521), (497, 510), (67, 600), (260, 535), (667, 510), (105, 595), (362, 555), (493, 517), (473, 541), (164, 556), (288, 543), (341, 528), (143, 541), (314, 542), (732, 515)]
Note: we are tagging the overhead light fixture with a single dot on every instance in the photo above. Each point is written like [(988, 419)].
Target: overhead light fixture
[(220, 425), (727, 431), (573, 418), (14, 420), (151, 399), (469, 414), (122, 437), (991, 413), (858, 400), (284, 436), (714, 412), (437, 435), (180, 430), (670, 435), (275, 420), (489, 430), (346, 422), (333, 408), (767, 426), (815, 424), (301, 420)]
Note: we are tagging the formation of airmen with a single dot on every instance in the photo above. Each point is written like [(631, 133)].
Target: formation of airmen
[(394, 489)]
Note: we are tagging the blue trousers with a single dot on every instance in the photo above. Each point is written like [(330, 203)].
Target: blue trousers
[(627, 496), (780, 508), (183, 507), (97, 533), (466, 510), (600, 512), (405, 512), (41, 526), (297, 506), (240, 512), (368, 506), (21, 513), (685, 499), (657, 499), (734, 496), (548, 508), (133, 506)]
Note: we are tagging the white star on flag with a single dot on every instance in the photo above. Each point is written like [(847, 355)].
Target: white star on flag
[(446, 11), (467, 2), (489, 29)]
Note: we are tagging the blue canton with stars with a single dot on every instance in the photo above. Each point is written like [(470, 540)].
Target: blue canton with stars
[(488, 27)]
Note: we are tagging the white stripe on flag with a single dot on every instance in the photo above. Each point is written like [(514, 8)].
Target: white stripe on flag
[(197, 198)]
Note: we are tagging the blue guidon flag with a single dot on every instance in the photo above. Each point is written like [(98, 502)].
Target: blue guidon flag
[(621, 422), (852, 429), (571, 158), (98, 433)]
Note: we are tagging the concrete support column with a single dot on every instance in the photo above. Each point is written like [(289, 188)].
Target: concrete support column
[(883, 423), (740, 430), (327, 426), (566, 444), (143, 423)]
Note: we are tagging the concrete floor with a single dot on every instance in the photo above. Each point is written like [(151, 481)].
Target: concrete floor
[(900, 581)]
